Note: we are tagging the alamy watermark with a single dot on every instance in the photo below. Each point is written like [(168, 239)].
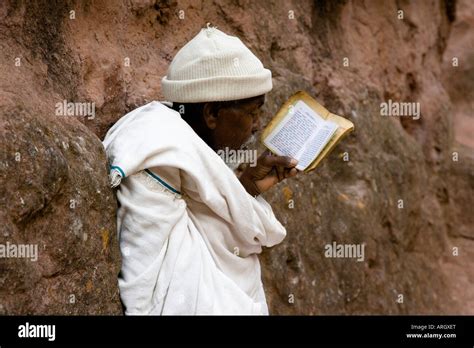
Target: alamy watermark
[(335, 250), (26, 251), (86, 109), (233, 158), (400, 109), (37, 331)]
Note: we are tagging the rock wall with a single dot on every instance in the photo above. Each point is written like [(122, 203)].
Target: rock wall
[(352, 55)]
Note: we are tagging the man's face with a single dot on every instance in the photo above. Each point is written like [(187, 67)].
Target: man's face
[(233, 126)]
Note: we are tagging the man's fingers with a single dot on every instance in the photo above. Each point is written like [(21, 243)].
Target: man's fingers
[(268, 181), (274, 176), (280, 172), (279, 161), (291, 173)]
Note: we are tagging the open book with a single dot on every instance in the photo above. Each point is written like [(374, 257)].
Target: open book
[(303, 129)]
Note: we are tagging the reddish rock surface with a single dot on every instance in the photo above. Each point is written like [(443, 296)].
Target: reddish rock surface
[(115, 53)]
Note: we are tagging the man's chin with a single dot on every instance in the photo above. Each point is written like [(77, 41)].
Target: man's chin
[(248, 142), (232, 163)]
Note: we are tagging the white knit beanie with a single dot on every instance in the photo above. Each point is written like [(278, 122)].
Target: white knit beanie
[(214, 66)]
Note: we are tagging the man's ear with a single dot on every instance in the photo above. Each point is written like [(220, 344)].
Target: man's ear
[(210, 116)]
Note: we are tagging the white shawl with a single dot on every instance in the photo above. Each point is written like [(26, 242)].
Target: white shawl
[(188, 253)]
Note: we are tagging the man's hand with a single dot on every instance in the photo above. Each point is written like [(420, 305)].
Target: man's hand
[(269, 171)]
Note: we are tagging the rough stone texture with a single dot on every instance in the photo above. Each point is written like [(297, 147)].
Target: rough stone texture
[(54, 191), (407, 251), (459, 80)]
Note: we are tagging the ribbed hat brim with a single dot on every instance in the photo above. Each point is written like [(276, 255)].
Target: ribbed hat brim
[(221, 88)]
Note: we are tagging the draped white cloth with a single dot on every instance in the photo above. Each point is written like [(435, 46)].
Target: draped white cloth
[(188, 253)]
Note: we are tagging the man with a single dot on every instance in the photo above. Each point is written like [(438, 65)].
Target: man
[(189, 229)]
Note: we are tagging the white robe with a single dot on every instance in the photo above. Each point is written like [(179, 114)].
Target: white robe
[(189, 253)]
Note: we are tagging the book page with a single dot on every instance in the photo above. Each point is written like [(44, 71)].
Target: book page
[(301, 135), (316, 144)]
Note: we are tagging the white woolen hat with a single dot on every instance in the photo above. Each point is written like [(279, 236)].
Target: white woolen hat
[(214, 66)]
